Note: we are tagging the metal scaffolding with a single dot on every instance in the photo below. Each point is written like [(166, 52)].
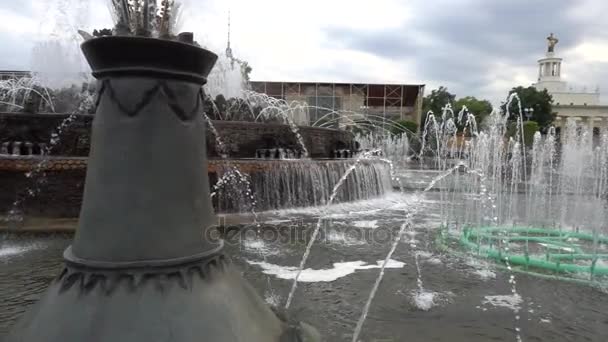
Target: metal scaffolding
[(391, 101)]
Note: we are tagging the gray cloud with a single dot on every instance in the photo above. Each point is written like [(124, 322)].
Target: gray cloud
[(469, 40), (459, 43), (504, 29)]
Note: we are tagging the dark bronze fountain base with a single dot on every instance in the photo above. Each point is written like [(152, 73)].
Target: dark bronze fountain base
[(205, 300), (141, 267)]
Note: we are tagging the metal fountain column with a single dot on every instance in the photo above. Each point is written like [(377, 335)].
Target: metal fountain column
[(142, 266)]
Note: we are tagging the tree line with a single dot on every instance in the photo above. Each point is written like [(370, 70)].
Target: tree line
[(540, 101)]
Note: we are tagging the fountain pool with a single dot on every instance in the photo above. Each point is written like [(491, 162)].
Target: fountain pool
[(412, 264), (468, 298)]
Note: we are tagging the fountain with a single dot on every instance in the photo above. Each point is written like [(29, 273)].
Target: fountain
[(272, 150), (139, 267), (546, 230), (506, 220), (486, 207)]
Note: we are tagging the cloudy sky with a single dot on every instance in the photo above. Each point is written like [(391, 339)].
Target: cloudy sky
[(474, 47)]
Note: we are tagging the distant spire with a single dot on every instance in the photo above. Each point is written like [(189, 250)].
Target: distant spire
[(228, 48)]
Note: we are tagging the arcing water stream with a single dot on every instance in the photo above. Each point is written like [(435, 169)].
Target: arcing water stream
[(483, 175)]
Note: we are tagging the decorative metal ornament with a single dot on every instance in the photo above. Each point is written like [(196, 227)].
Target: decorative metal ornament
[(142, 267)]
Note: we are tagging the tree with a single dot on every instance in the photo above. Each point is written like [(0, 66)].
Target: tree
[(530, 128), (479, 108), (435, 101), (407, 126), (539, 100)]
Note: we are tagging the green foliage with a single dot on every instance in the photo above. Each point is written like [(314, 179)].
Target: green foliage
[(530, 128), (539, 100), (512, 129), (479, 108), (439, 98), (410, 127), (436, 100)]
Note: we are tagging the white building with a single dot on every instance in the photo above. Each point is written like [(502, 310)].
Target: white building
[(582, 105)]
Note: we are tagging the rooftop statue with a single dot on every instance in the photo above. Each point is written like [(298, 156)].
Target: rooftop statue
[(551, 42)]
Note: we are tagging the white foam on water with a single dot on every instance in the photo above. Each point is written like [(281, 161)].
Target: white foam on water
[(566, 249), (412, 233), (9, 251), (482, 269), (342, 238), (259, 246), (272, 299), (429, 258), (424, 254), (424, 300), (366, 224), (434, 261), (485, 274), (545, 320), (393, 201), (276, 222), (339, 270), (12, 250), (511, 302)]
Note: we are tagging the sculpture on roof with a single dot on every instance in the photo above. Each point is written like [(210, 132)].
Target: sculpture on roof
[(551, 42)]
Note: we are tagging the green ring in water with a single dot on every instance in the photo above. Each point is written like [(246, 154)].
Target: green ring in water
[(562, 249)]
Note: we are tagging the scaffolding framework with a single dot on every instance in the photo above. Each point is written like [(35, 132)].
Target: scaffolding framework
[(391, 101)]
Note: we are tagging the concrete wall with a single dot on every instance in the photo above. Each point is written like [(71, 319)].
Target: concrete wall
[(55, 193), (566, 98), (582, 111), (55, 190), (57, 184), (593, 116)]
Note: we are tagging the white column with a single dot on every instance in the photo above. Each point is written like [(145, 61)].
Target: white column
[(588, 120)]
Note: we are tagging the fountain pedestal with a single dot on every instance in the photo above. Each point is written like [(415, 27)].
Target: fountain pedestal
[(143, 266)]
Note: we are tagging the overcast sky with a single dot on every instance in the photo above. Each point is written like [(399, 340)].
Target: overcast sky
[(474, 47)]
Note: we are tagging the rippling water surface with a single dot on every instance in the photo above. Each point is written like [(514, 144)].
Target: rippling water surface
[(462, 299)]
